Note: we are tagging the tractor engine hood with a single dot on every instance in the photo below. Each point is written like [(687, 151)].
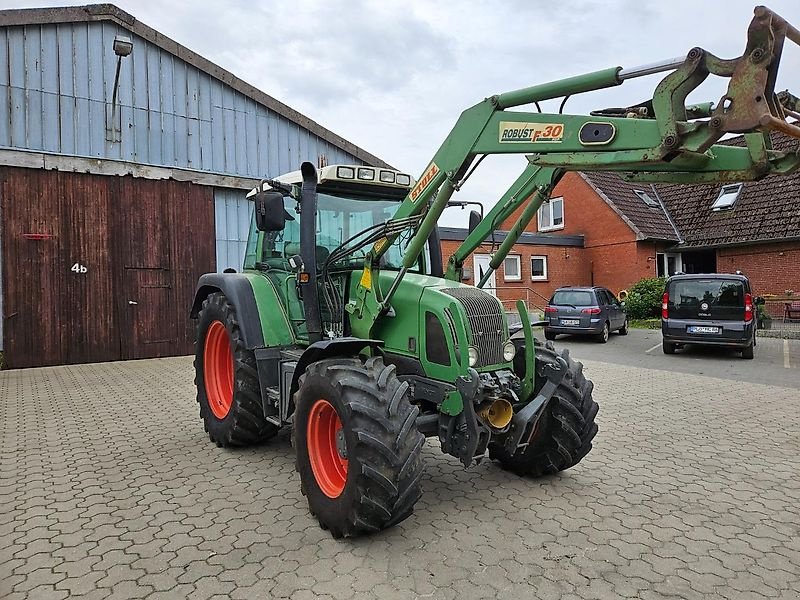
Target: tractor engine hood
[(438, 320), (483, 316)]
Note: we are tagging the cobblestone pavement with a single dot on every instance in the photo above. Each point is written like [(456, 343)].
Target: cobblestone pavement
[(109, 488)]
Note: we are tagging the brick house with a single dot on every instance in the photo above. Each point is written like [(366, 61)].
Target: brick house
[(536, 260), (752, 227), (631, 231)]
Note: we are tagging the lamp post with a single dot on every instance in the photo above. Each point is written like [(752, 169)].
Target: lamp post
[(123, 46)]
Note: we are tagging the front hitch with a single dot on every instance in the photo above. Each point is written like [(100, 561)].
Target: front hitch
[(524, 422), (477, 437)]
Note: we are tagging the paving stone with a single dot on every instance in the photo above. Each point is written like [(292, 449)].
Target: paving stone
[(690, 492)]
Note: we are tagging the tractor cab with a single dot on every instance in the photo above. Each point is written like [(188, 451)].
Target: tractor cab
[(351, 201), (352, 204)]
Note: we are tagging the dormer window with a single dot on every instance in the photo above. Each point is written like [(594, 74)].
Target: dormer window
[(727, 197), (646, 198)]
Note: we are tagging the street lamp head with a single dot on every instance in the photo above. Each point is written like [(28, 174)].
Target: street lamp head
[(123, 45)]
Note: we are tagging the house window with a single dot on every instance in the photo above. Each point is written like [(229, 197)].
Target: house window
[(551, 215), (667, 264), (539, 268), (727, 197), (646, 198), (511, 268)]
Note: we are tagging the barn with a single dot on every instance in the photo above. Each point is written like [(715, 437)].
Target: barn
[(124, 161)]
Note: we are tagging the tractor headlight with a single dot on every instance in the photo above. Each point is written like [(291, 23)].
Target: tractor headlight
[(509, 351), (472, 355)]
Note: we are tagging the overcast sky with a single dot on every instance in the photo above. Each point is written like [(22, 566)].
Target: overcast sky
[(392, 77)]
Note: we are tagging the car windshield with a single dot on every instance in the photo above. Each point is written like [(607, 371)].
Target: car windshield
[(339, 218), (573, 297), (715, 298)]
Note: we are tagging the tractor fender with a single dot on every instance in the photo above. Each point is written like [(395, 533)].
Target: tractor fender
[(239, 292), (346, 346)]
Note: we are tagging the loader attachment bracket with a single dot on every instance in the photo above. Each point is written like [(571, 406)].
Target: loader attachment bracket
[(476, 437), (524, 422)]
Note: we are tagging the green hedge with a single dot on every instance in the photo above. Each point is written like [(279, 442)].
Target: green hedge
[(644, 298)]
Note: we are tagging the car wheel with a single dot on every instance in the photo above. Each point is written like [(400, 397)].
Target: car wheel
[(603, 337), (667, 347), (549, 335), (624, 329), (748, 351)]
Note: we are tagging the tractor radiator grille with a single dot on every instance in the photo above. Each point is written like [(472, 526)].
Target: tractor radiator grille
[(485, 316)]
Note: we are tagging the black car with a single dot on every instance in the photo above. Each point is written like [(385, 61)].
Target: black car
[(708, 309), (584, 310)]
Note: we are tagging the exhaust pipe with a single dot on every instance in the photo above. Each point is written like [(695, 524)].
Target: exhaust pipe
[(497, 413)]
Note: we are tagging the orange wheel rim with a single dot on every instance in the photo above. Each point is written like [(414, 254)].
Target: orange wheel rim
[(218, 370), (327, 464)]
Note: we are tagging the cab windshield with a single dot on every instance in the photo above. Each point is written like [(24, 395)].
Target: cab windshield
[(339, 218)]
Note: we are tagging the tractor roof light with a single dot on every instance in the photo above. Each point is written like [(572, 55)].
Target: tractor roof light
[(345, 172), (366, 174), (350, 173)]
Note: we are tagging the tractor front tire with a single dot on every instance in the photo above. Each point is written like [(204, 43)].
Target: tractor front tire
[(357, 447), (564, 433), (227, 379)]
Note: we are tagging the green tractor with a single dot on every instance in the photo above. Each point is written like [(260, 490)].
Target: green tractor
[(345, 324)]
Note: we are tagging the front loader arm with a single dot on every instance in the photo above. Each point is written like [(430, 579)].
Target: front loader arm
[(660, 140), (533, 188)]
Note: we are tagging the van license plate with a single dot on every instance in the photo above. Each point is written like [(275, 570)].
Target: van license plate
[(699, 329), (570, 321)]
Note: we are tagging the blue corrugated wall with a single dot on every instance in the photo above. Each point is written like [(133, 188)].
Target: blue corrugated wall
[(57, 89), (56, 96), (232, 223)]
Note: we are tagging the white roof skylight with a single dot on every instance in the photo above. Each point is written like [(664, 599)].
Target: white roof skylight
[(727, 197), (646, 198)]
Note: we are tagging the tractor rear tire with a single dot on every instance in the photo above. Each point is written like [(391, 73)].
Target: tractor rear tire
[(227, 379), (357, 446), (564, 433)]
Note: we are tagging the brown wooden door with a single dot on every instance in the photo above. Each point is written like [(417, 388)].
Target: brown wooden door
[(57, 275), (149, 309), (142, 250), (90, 331), (77, 248)]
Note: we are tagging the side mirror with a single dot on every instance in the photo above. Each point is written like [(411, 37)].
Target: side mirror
[(474, 219), (270, 215)]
